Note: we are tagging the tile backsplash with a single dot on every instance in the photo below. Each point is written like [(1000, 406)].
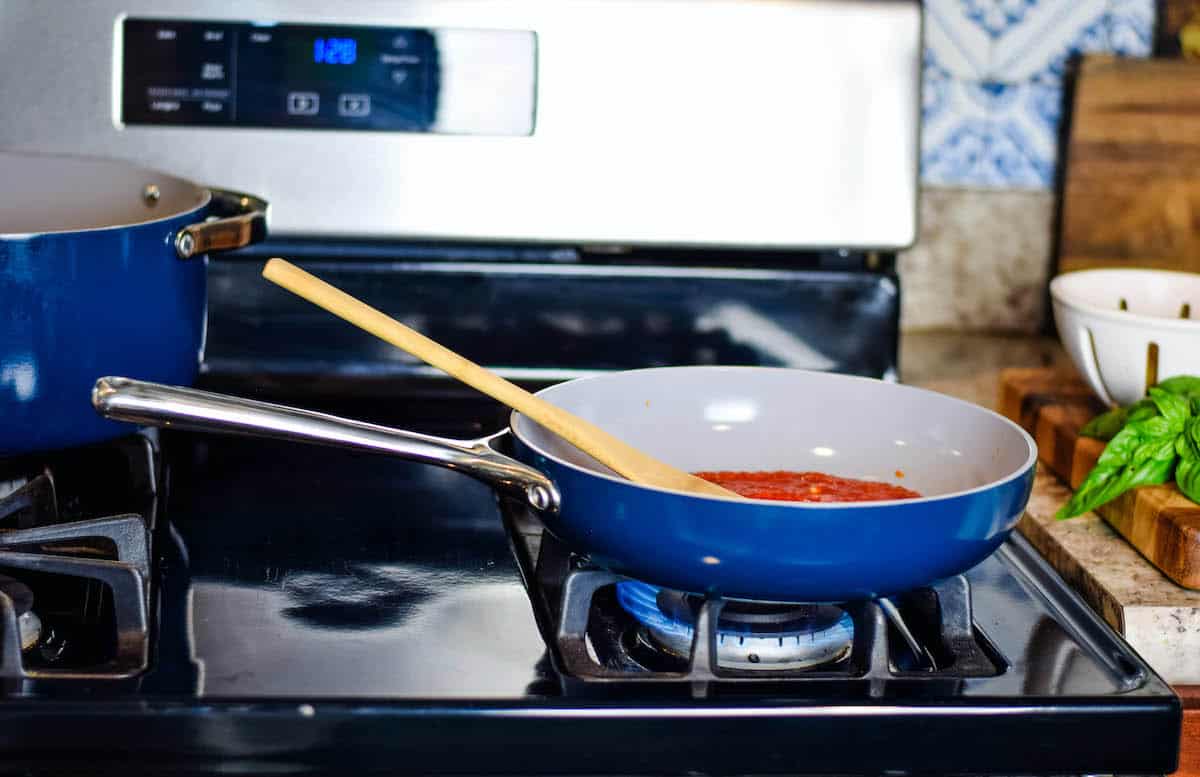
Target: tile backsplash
[(993, 99), (993, 82)]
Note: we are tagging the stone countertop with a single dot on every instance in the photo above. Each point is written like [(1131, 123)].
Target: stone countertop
[(1160, 619)]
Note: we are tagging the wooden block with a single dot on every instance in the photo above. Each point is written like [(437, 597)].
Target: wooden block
[(1159, 521), (1024, 392), (1087, 451), (1164, 525), (1132, 174), (1056, 432)]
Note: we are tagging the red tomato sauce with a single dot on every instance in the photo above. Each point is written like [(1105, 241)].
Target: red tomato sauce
[(806, 487)]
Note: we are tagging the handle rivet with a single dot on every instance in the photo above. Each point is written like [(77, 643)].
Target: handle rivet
[(185, 244), (150, 194), (538, 497)]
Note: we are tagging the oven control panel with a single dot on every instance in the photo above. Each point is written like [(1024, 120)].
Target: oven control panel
[(330, 77)]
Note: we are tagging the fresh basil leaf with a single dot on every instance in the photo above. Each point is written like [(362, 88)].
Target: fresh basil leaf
[(1099, 485), (1185, 449), (1152, 472), (1182, 385), (1149, 442), (1120, 448), (1106, 425), (1158, 426), (1187, 477), (1187, 444), (1097, 488), (1141, 410), (1143, 453), (1174, 408), (1103, 486), (1157, 449)]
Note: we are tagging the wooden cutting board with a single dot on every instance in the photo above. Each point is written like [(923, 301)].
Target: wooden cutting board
[(1131, 188), (1052, 405)]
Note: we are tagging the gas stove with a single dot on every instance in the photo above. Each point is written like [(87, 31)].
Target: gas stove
[(309, 609), (555, 188)]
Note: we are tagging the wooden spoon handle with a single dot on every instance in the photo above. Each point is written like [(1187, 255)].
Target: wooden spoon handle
[(602, 446)]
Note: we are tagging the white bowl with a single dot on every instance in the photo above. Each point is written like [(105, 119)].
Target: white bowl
[(1115, 349)]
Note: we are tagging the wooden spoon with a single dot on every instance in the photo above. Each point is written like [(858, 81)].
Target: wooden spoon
[(587, 437)]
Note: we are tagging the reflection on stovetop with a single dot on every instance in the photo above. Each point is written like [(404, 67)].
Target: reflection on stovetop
[(292, 570)]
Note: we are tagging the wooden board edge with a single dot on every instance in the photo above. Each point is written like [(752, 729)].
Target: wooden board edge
[(1170, 532)]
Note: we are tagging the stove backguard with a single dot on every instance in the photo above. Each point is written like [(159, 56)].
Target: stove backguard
[(543, 314)]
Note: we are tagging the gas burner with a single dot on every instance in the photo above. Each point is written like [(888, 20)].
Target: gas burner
[(28, 623), (750, 635)]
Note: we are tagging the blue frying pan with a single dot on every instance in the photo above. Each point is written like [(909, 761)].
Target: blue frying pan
[(973, 468)]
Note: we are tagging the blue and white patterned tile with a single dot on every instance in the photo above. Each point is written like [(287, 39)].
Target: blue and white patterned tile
[(1131, 27), (1023, 136), (990, 134), (1038, 45), (995, 124), (955, 44), (954, 127)]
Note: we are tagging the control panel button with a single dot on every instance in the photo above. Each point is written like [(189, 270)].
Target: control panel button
[(354, 105), (303, 103)]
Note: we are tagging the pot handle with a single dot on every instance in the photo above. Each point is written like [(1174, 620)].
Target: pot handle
[(122, 399), (242, 221)]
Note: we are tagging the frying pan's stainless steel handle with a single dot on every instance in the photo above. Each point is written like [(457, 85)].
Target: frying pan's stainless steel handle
[(243, 221), (122, 399)]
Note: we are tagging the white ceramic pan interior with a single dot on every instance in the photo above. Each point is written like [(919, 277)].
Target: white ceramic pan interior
[(756, 419)]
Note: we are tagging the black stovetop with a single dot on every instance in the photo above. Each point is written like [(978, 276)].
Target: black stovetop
[(319, 610)]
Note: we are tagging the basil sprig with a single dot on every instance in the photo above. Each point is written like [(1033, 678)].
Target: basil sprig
[(1149, 442)]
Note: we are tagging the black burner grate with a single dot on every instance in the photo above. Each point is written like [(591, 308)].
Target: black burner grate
[(83, 575), (928, 635)]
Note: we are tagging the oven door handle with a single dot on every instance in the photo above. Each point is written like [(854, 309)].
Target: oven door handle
[(152, 404)]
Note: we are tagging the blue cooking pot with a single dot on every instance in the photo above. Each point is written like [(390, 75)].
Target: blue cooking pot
[(102, 270)]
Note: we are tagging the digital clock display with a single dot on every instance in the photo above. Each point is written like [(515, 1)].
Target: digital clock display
[(335, 51)]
